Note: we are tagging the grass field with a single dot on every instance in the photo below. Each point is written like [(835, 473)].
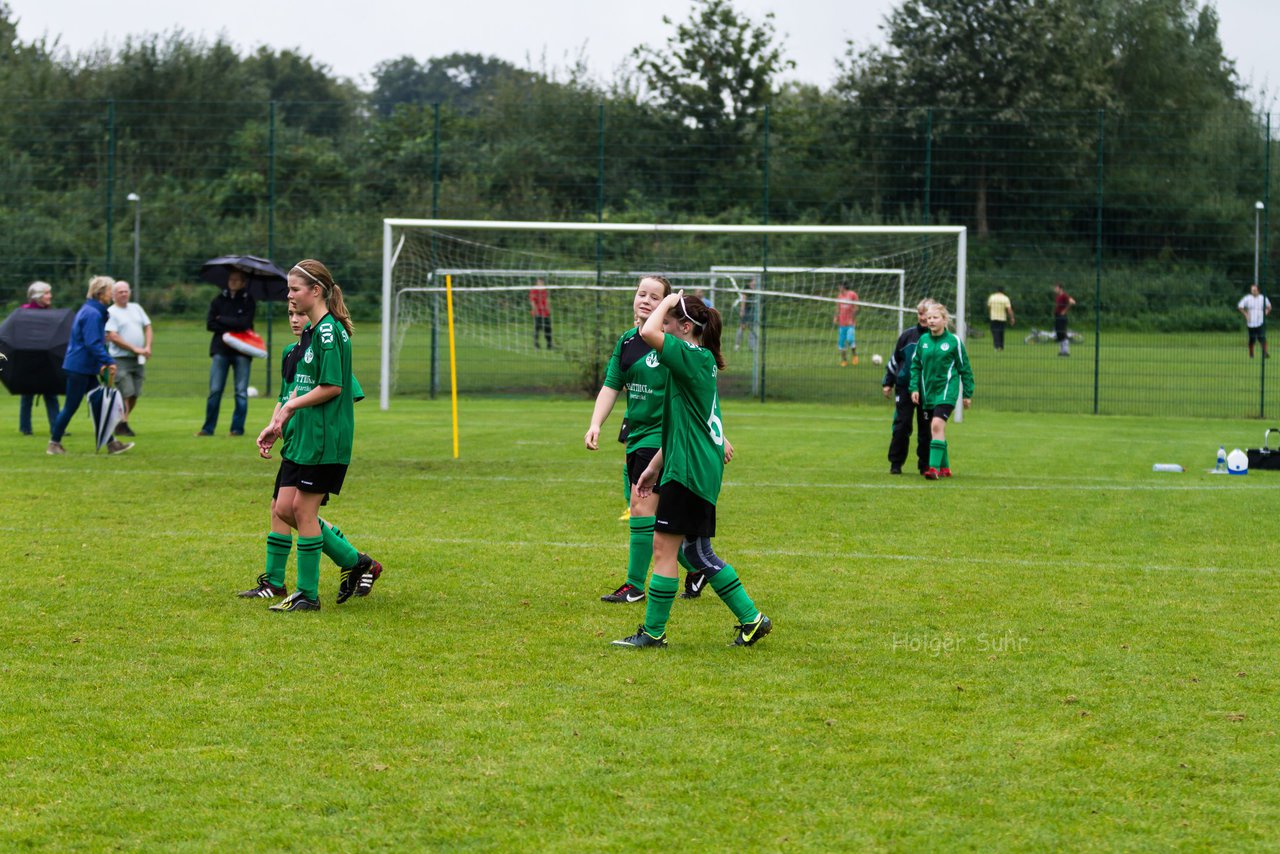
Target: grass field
[(1056, 648)]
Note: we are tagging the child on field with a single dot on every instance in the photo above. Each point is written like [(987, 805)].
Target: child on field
[(940, 376), (688, 468)]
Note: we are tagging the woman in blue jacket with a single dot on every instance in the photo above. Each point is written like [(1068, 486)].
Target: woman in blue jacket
[(86, 357)]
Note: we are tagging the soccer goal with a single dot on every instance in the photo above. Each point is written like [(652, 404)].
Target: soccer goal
[(491, 307)]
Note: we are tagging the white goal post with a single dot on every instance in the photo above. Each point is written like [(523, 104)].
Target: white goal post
[(482, 268)]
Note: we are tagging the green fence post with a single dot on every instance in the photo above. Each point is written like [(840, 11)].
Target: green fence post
[(111, 176), (597, 333), (271, 222), (435, 214), (1262, 278), (1097, 267), (928, 165), (762, 319)]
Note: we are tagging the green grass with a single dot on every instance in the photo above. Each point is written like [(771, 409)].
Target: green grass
[(1056, 648)]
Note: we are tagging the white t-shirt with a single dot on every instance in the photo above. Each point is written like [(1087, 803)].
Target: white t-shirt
[(1255, 308), (130, 323)]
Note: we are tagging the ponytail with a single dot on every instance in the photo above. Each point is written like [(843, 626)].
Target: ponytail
[(706, 322)]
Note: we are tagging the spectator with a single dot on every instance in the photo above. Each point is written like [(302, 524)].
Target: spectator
[(846, 320), (896, 385), (540, 308), (746, 316), (1255, 308), (86, 358), (129, 343), (1062, 303), (1001, 311), (39, 296), (231, 311)]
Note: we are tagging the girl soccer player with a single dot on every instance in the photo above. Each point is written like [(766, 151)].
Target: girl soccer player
[(940, 375), (634, 366), (688, 467), (318, 447)]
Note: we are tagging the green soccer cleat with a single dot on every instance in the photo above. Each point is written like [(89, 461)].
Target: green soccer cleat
[(297, 601), (642, 639), (749, 633)]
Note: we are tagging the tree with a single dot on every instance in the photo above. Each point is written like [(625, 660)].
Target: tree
[(462, 80)]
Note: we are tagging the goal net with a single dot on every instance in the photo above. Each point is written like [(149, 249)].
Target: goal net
[(482, 307)]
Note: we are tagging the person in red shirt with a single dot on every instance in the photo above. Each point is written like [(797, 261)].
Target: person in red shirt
[(1062, 303), (540, 308), (845, 320)]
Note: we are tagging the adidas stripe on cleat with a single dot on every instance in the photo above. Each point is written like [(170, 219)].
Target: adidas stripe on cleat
[(296, 602), (749, 633), (626, 593), (264, 590), (371, 574), (351, 578), (642, 640)]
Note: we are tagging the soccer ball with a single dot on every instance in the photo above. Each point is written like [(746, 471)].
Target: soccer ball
[(252, 391), (877, 359)]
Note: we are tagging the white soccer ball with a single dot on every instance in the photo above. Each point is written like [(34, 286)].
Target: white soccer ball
[(877, 359), (1237, 462), (253, 391)]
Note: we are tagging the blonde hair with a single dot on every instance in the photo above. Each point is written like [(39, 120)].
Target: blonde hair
[(946, 315), (925, 303), (318, 274), (38, 289), (99, 285)]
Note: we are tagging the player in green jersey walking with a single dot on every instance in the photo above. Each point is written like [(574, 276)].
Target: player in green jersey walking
[(634, 365), (940, 377), (688, 469), (271, 583), (318, 451)]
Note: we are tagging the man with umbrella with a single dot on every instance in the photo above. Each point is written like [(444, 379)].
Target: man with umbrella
[(245, 280)]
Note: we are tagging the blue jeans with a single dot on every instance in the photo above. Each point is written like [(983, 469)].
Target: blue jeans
[(78, 385), (24, 411), (217, 382)]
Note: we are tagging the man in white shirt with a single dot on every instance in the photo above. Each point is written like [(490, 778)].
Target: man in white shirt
[(129, 342), (1255, 308)]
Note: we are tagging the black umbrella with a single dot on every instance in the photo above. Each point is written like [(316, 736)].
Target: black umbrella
[(266, 281), (33, 342)]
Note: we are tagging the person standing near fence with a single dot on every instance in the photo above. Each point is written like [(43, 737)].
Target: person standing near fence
[(540, 308), (129, 343), (846, 322), (1255, 308), (231, 311), (1062, 303), (1000, 310), (39, 297)]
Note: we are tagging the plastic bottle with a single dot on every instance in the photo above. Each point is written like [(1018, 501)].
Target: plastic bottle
[(1222, 460), (1167, 467)]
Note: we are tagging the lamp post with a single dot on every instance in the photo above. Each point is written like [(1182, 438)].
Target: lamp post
[(1258, 207), (137, 237)]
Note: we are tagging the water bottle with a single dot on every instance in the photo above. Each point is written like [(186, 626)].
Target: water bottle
[(1221, 467), (1169, 467)]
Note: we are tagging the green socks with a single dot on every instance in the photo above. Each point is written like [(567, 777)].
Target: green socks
[(309, 550), (278, 548), (937, 453), (946, 456), (336, 546), (729, 588), (640, 553), (657, 609)]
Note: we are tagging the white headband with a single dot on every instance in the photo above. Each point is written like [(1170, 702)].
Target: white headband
[(303, 271)]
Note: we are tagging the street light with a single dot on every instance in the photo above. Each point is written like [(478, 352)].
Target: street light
[(137, 237), (1258, 207)]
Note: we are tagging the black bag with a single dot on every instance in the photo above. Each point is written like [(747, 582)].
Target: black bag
[(1265, 457)]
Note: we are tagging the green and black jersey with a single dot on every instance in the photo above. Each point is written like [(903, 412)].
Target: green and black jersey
[(692, 430), (323, 434), (940, 370), (635, 366), (289, 381)]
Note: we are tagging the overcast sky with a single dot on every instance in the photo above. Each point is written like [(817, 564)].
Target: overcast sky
[(351, 38)]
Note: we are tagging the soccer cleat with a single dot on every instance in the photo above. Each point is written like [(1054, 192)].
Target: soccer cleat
[(264, 590), (749, 633), (123, 429), (932, 473), (296, 601), (895, 469), (854, 360), (945, 472), (115, 446), (351, 579), (372, 574), (642, 639), (54, 449), (627, 593), (844, 364), (203, 434), (693, 584)]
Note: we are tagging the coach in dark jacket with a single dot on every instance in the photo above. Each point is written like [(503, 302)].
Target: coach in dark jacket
[(896, 382), (231, 311)]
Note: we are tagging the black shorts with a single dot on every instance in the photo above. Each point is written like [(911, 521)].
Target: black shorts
[(637, 461), (1257, 333), (681, 511), (325, 479), (1060, 327), (942, 410)]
